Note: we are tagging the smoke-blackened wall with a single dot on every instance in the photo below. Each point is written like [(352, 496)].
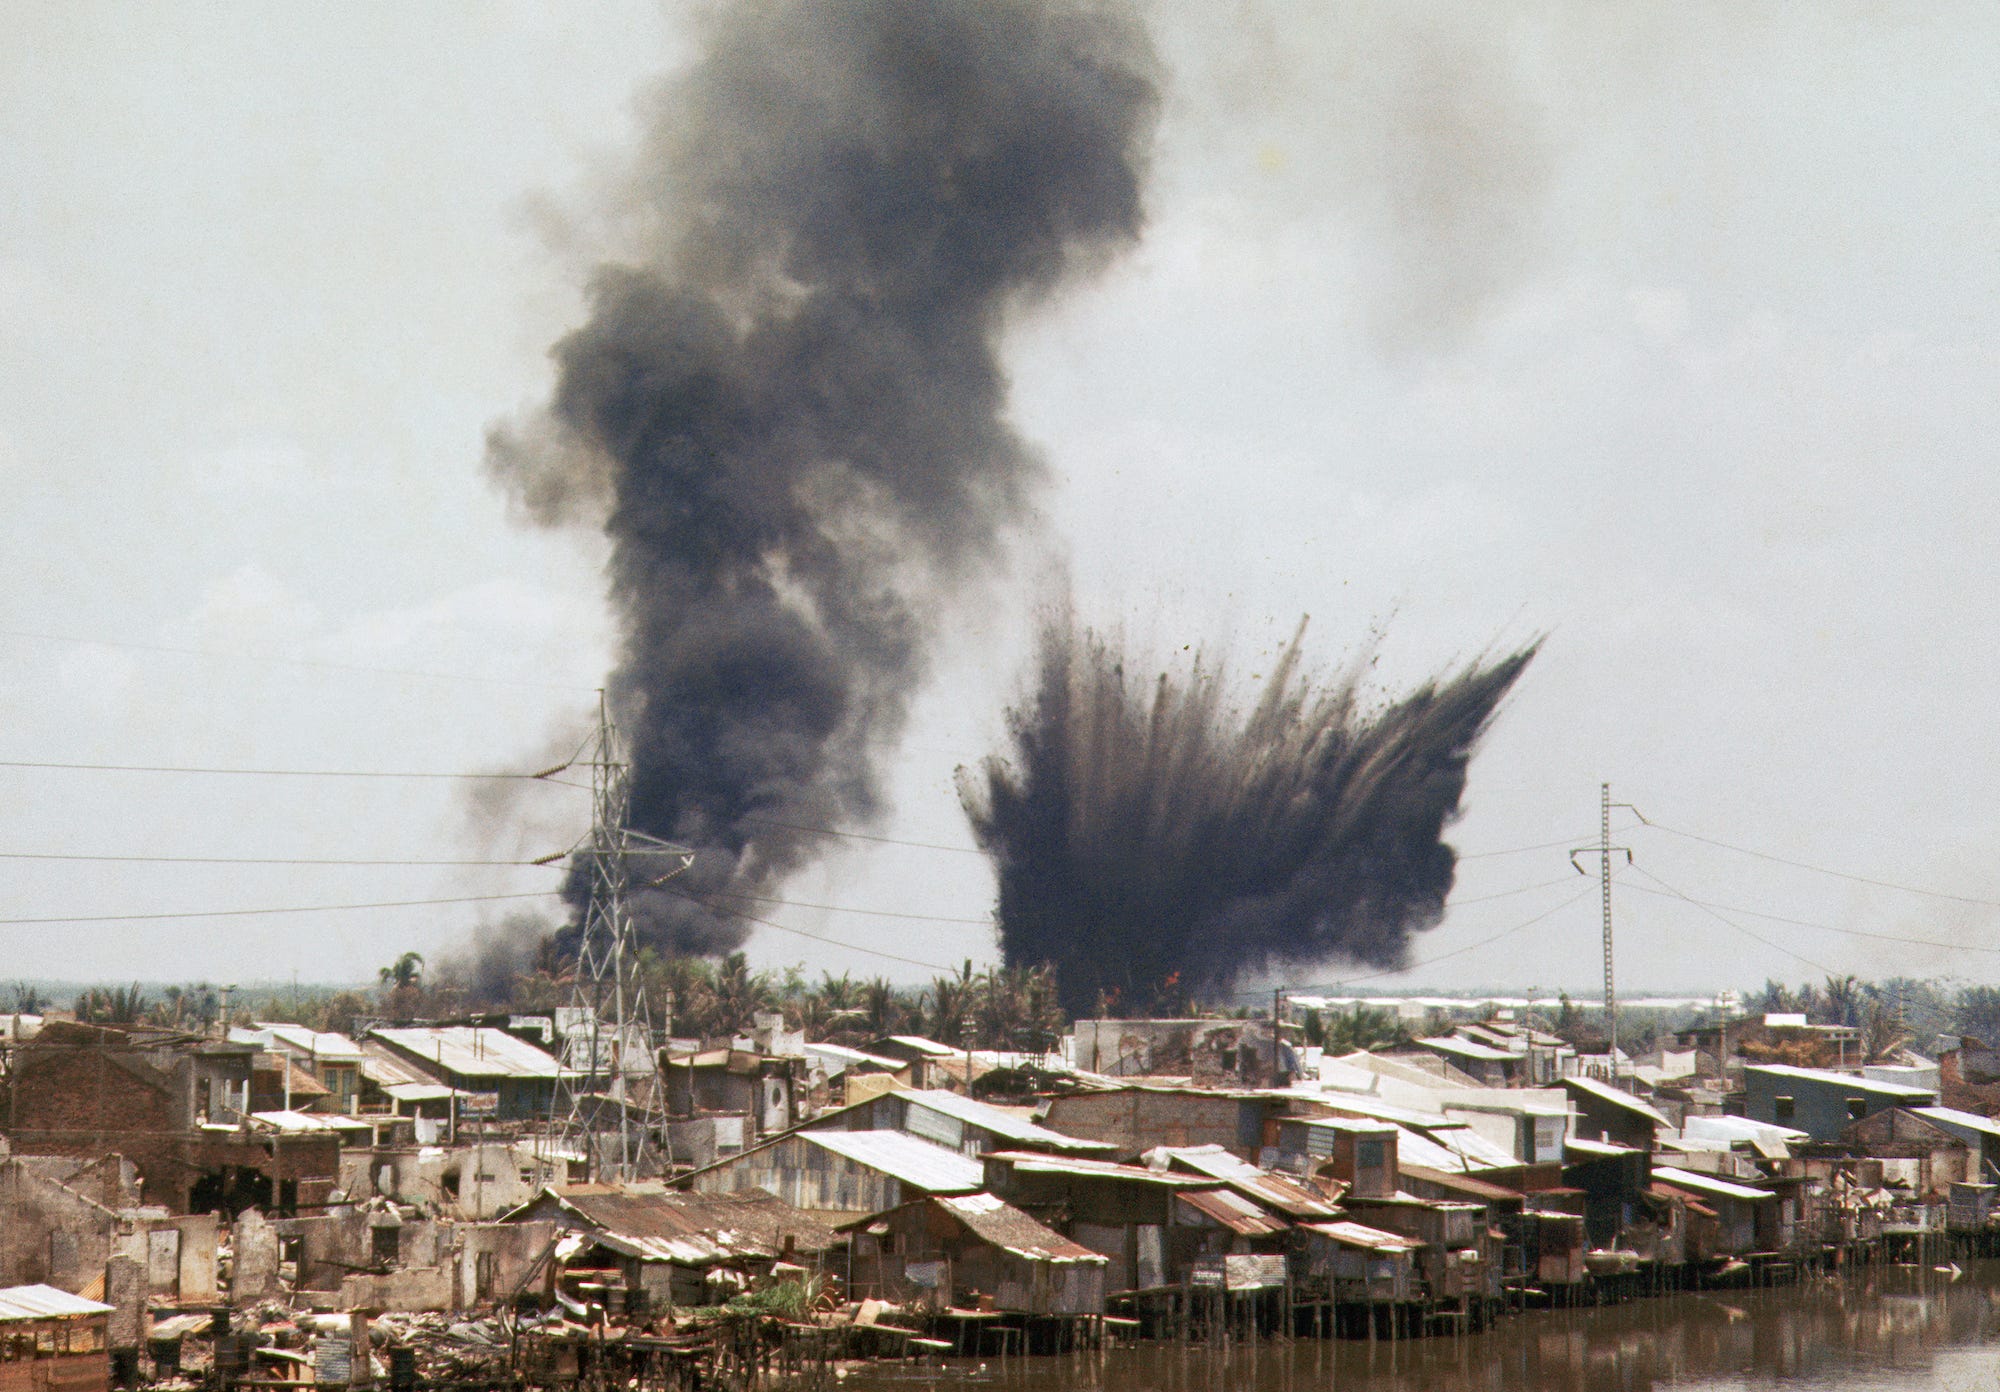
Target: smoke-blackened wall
[(1150, 840), (789, 416)]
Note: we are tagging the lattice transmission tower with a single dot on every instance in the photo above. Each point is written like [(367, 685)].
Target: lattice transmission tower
[(609, 1103)]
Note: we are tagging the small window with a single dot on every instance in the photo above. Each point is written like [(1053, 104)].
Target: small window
[(1781, 1107), (1857, 1108), (1369, 1155), (385, 1248)]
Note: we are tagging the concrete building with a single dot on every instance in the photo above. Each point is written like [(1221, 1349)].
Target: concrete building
[(172, 1103), (665, 1242), (496, 1075), (1820, 1102), (850, 1172), (973, 1251), (956, 1122)]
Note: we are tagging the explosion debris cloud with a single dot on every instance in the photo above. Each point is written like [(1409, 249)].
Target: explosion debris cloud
[(789, 414), (1150, 840)]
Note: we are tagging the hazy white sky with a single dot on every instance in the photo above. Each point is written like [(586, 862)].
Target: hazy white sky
[(1669, 330)]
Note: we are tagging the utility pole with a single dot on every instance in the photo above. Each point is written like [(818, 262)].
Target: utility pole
[(1604, 850), (1277, 1036), (599, 1076)]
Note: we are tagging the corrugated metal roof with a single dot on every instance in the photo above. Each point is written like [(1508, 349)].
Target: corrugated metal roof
[(1707, 1184), (920, 1164), (1349, 1234), (998, 1121), (689, 1229), (921, 1045), (471, 1051), (45, 1302), (1598, 1148), (1952, 1116), (1846, 1080), (1467, 1048), (852, 1058), (303, 1123), (1616, 1097), (324, 1045), (1234, 1212), (1276, 1191), (1010, 1229), (1030, 1163)]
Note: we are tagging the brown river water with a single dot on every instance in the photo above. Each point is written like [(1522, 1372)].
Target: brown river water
[(1896, 1333)]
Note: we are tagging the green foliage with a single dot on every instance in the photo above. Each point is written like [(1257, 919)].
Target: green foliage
[(794, 1298), (1342, 1032)]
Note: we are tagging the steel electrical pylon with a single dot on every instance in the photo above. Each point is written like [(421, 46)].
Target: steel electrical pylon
[(608, 1104)]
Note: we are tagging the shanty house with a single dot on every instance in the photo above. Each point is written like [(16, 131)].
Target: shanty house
[(1360, 1153), (1919, 1150), (1614, 1180), (926, 1059), (333, 1060), (963, 1249), (497, 1075), (1140, 1117), (1351, 1263), (1527, 1123), (1275, 1193), (664, 1243), (52, 1341), (1125, 1212), (852, 1172), (1821, 1102), (956, 1122), (1493, 1067), (1981, 1135), (762, 1088), (1724, 1218), (1208, 1053), (1606, 1113)]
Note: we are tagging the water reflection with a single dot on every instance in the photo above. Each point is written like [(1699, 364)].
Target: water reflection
[(1848, 1337)]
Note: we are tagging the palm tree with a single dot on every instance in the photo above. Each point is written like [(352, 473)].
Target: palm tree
[(406, 970), (948, 1007)]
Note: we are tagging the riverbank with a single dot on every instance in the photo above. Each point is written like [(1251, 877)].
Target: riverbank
[(1873, 1332)]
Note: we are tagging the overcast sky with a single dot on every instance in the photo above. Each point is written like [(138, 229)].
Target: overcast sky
[(1666, 330)]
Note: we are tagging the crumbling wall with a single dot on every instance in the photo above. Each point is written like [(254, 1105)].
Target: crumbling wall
[(497, 1261), (53, 1234), (200, 1240), (486, 1181), (412, 1288), (253, 1271), (334, 1246)]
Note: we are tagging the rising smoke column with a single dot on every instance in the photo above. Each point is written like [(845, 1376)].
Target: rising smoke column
[(1144, 832), (789, 417)]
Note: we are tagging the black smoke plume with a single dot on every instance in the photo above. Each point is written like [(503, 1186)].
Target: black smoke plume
[(1152, 842), (789, 415)]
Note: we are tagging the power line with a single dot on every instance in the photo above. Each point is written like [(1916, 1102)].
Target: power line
[(1471, 947), (1823, 870), (816, 937), (316, 664), (1825, 927), (1731, 923), (266, 860), (295, 909), (986, 922), (544, 776), (862, 836), (1455, 903), (1523, 850)]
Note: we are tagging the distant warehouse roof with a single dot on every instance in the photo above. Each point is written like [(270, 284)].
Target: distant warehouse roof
[(930, 1168), (471, 1051)]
